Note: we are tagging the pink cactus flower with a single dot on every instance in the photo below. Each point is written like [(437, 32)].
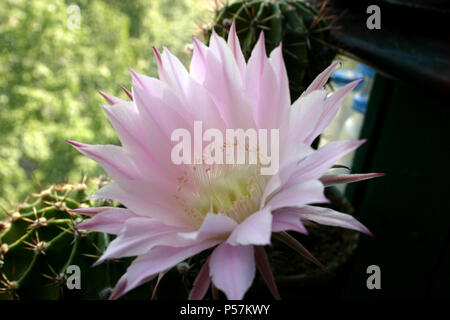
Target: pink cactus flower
[(175, 211)]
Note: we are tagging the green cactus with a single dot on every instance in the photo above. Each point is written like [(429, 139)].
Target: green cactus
[(38, 242), (303, 30)]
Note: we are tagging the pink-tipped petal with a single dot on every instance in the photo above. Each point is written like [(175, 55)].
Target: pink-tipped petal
[(173, 72), (195, 102), (224, 87), (318, 162), (332, 179), (75, 143), (263, 265), (330, 217), (138, 236), (159, 259), (159, 63), (297, 246), (202, 106), (162, 112), (288, 163), (137, 138), (201, 283), (110, 99), (232, 269), (160, 108), (157, 204), (299, 194), (233, 43), (132, 132), (331, 107), (196, 99), (304, 115), (119, 289), (110, 220), (287, 221), (320, 81), (276, 59), (198, 61), (262, 88), (160, 276), (113, 159), (284, 99), (255, 230), (128, 93), (89, 211)]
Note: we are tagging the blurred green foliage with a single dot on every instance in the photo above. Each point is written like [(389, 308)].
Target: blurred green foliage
[(50, 74)]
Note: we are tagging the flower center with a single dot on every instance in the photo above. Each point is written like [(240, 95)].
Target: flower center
[(232, 190)]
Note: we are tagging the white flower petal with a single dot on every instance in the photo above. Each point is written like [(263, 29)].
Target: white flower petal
[(232, 269), (256, 229)]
